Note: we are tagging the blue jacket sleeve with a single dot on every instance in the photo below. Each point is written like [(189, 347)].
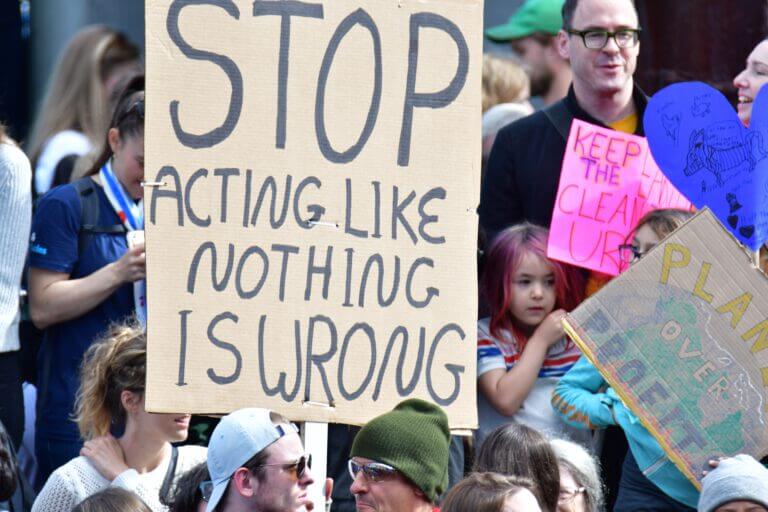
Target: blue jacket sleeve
[(580, 397)]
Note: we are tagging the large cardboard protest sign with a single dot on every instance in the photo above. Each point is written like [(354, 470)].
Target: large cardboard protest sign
[(608, 181), (312, 248), (700, 142), (682, 337)]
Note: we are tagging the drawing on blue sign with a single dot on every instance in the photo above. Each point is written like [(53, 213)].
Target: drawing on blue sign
[(722, 150), (671, 122), (701, 105)]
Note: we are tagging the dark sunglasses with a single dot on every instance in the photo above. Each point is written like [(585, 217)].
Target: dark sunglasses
[(373, 471), (299, 467), (135, 109), (206, 489)]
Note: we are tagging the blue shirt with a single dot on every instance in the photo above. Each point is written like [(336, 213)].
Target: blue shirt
[(54, 246)]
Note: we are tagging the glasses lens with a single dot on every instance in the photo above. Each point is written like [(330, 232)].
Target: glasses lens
[(626, 38), (374, 473), (140, 108), (626, 254), (206, 489), (595, 39), (304, 463), (354, 468), (377, 471)]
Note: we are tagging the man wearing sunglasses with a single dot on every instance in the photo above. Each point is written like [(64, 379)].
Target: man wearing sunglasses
[(400, 459), (257, 463), (600, 38)]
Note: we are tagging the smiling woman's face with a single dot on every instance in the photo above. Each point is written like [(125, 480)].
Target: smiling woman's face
[(749, 81)]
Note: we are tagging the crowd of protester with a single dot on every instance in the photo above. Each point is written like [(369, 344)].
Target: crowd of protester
[(552, 435)]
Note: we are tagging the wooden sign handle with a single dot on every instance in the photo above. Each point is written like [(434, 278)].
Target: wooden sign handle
[(315, 438)]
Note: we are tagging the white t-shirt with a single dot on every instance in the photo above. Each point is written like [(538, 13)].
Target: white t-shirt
[(78, 479), (68, 142), (536, 411)]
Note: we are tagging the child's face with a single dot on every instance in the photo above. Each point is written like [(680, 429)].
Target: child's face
[(533, 287)]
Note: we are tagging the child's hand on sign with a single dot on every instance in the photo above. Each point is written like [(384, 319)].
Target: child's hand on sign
[(550, 330)]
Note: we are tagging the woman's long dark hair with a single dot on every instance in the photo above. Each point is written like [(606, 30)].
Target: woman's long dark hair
[(128, 118), (516, 449)]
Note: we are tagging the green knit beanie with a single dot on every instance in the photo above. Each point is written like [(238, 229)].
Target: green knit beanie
[(412, 438)]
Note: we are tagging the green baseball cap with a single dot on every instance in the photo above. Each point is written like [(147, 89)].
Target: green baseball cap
[(532, 17)]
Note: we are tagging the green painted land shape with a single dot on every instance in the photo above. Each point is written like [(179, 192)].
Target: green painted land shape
[(720, 419)]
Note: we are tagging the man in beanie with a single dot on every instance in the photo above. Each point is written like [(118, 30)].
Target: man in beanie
[(257, 463), (737, 484), (531, 32), (400, 459)]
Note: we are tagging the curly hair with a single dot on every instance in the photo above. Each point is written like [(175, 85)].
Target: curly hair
[(114, 364), (504, 81)]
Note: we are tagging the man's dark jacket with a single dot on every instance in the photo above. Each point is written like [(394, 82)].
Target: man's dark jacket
[(523, 171)]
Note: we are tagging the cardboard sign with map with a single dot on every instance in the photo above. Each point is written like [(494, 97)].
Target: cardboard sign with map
[(311, 228), (682, 336)]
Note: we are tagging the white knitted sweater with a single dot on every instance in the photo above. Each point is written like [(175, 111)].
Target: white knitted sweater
[(78, 479), (15, 219)]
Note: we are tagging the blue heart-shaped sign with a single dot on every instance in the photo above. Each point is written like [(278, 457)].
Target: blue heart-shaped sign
[(701, 146)]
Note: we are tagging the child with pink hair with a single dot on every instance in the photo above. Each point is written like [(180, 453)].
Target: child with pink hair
[(522, 350)]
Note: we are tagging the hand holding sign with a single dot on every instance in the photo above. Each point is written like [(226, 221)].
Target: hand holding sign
[(682, 337), (702, 147)]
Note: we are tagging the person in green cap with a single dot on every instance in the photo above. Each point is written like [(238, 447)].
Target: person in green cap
[(532, 32), (399, 460)]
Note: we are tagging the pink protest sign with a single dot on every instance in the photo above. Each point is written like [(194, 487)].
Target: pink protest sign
[(608, 181)]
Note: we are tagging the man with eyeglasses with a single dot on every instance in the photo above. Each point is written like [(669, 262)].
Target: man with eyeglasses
[(399, 460), (257, 463), (600, 38)]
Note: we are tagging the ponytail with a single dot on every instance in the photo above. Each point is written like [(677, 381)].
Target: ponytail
[(112, 365)]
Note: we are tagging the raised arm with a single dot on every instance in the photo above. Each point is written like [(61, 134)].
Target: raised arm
[(505, 389), (580, 397)]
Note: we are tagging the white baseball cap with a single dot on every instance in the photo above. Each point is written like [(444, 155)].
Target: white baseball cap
[(237, 438)]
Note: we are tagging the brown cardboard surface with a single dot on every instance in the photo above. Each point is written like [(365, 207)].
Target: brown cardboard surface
[(239, 278), (682, 337)]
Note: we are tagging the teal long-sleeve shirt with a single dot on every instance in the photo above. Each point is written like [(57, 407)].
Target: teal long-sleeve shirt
[(584, 399)]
